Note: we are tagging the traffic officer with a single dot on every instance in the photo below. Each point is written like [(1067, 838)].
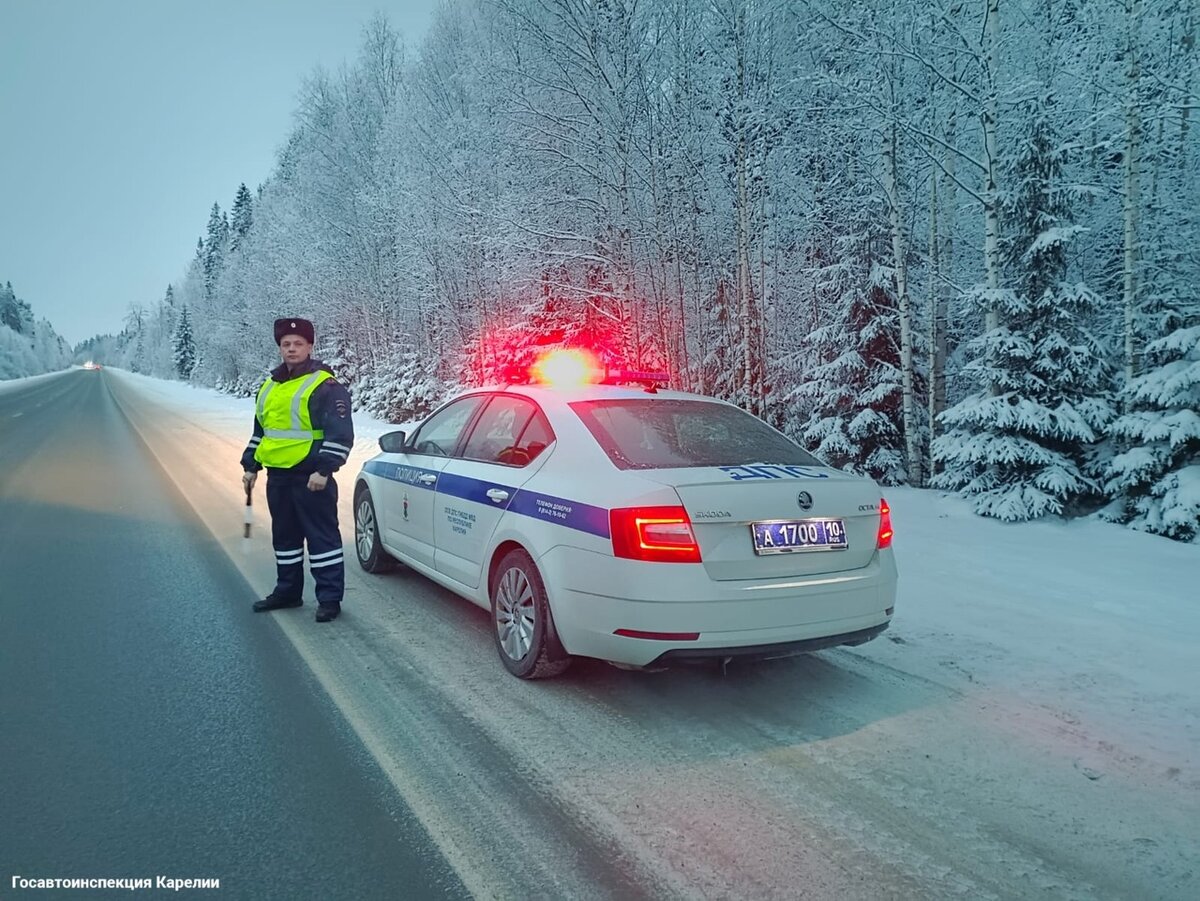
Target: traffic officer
[(302, 434)]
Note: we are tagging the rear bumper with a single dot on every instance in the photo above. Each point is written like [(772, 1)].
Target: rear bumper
[(593, 596)]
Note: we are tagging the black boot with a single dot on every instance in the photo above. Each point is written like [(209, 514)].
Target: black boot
[(275, 602), (327, 612)]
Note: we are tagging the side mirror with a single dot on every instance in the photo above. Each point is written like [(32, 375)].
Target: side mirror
[(392, 442)]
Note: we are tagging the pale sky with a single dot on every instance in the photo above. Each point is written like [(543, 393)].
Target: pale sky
[(122, 121)]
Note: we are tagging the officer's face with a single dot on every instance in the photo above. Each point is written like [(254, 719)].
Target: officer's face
[(294, 349)]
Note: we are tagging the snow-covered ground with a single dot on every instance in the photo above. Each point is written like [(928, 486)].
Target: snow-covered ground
[(1082, 615), (7, 385), (1083, 620), (1039, 675)]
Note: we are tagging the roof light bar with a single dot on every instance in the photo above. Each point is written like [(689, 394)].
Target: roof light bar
[(571, 367), (616, 376)]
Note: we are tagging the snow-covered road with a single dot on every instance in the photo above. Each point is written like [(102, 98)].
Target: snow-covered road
[(1027, 728)]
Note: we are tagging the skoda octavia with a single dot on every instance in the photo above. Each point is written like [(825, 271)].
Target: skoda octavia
[(631, 524)]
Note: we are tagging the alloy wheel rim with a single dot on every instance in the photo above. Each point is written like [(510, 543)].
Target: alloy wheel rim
[(365, 526), (516, 613)]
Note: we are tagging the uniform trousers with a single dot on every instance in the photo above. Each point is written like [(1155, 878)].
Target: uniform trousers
[(300, 517)]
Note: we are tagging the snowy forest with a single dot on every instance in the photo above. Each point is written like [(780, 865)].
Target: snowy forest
[(946, 243), (27, 347)]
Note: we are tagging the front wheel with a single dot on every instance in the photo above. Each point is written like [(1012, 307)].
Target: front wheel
[(524, 629), (371, 555)]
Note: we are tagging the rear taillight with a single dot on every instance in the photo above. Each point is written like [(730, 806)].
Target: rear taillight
[(656, 534), (885, 525)]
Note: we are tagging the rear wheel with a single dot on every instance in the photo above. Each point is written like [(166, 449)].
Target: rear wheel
[(524, 629), (371, 555)]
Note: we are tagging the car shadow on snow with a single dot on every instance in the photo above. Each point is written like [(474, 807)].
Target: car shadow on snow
[(759, 704)]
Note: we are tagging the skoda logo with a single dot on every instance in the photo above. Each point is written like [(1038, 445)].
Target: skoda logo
[(804, 499)]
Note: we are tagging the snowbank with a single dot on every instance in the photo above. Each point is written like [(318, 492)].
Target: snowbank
[(27, 380)]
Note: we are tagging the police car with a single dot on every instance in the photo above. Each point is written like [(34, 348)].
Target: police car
[(626, 523)]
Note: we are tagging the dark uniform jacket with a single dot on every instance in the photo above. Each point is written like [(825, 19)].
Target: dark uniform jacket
[(329, 408)]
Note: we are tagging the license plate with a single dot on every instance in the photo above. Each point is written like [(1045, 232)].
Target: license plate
[(796, 536)]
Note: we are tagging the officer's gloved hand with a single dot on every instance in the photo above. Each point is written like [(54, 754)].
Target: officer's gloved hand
[(248, 480), (317, 482)]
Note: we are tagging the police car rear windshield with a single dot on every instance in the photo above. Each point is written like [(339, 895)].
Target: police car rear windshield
[(665, 434)]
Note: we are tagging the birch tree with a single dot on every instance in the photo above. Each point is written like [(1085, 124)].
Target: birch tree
[(900, 251), (1131, 197)]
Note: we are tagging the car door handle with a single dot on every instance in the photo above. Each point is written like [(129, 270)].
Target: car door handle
[(427, 479), (498, 495)]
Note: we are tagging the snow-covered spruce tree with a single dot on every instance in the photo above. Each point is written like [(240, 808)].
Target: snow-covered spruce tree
[(1019, 445), (1156, 475), (342, 353), (185, 346), (507, 350), (14, 312), (404, 389), (214, 249), (243, 217), (855, 395), (561, 316), (10, 311), (1153, 476)]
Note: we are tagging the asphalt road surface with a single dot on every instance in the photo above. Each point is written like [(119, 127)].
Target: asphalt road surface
[(150, 725)]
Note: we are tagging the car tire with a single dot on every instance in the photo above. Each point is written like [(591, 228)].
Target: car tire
[(522, 625), (367, 546)]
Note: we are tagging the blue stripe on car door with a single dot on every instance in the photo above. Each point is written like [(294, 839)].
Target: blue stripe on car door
[(545, 507)]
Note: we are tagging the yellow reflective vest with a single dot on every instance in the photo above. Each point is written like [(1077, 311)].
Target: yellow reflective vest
[(282, 411)]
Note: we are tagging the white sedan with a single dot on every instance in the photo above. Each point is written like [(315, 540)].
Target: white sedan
[(629, 524)]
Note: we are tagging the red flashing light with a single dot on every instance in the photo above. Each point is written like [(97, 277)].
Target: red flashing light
[(884, 538), (658, 636), (567, 368), (573, 367), (653, 534)]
